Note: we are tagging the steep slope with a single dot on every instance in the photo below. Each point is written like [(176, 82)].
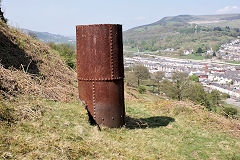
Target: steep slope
[(30, 67)]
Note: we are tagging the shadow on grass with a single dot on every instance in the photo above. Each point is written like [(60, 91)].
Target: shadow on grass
[(151, 122), (11, 55)]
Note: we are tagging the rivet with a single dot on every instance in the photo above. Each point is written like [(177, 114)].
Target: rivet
[(112, 118)]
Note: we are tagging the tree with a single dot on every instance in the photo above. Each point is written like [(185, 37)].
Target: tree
[(215, 97), (194, 78), (199, 50), (227, 28), (141, 89), (197, 94), (230, 112), (2, 14), (168, 88), (130, 78), (176, 89), (157, 77), (225, 96), (180, 83), (141, 72), (215, 48), (217, 29), (236, 29)]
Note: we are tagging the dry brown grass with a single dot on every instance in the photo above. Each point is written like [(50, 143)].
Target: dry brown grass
[(30, 67)]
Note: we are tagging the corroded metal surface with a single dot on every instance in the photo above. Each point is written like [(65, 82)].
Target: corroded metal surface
[(100, 72)]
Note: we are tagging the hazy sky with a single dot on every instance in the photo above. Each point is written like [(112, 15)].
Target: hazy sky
[(61, 16)]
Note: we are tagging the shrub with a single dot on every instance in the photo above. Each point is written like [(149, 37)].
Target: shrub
[(67, 52), (194, 78), (225, 96), (230, 112), (141, 89)]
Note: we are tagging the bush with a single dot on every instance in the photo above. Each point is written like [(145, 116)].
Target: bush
[(225, 96), (141, 89), (194, 78), (67, 52), (230, 112)]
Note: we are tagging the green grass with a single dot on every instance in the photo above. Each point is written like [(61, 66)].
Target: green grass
[(130, 49), (155, 129), (191, 56), (234, 62)]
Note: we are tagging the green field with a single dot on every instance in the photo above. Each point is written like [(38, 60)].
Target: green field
[(234, 62), (191, 56)]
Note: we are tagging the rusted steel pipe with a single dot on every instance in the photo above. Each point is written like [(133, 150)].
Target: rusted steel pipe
[(100, 72)]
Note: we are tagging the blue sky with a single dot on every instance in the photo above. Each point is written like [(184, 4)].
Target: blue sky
[(61, 16)]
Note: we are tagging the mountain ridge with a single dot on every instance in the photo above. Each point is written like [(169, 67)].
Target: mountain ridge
[(47, 37), (192, 17), (185, 32)]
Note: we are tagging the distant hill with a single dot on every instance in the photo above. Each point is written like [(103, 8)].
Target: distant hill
[(49, 37), (184, 32), (205, 19)]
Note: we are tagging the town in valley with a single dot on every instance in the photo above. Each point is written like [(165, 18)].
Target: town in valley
[(216, 73)]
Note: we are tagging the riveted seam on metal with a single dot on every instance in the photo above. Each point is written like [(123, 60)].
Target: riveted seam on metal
[(100, 79), (111, 50), (100, 69), (94, 98)]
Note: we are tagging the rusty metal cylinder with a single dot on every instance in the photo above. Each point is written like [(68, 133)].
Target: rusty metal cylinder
[(100, 72)]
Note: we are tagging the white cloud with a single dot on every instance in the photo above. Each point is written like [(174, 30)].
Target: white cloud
[(228, 9)]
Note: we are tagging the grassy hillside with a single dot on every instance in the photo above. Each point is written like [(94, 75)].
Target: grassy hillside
[(184, 32), (28, 66), (155, 129), (202, 19)]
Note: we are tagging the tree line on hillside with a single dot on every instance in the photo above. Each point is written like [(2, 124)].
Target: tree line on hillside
[(179, 87)]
